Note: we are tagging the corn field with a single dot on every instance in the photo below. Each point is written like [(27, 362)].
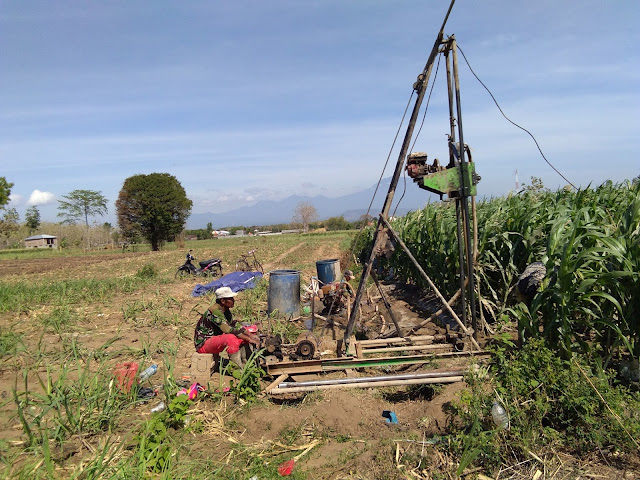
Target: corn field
[(588, 240)]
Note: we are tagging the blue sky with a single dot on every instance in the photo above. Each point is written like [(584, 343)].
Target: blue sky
[(248, 101)]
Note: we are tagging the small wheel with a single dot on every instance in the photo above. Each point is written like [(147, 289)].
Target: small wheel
[(242, 266), (258, 267), (217, 271), (181, 273), (305, 349)]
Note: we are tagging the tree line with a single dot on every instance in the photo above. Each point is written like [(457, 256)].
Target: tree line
[(153, 207), (330, 224)]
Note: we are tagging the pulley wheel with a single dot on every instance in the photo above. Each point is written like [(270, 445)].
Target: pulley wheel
[(305, 349)]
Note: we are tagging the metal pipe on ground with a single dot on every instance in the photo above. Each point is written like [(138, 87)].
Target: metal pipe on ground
[(392, 383), (381, 378)]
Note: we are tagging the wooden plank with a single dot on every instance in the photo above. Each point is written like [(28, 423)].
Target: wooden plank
[(342, 363), (387, 341), (408, 348), (276, 382), (358, 347)]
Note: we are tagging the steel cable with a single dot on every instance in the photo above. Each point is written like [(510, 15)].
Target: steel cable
[(415, 139), (511, 121), (395, 139)]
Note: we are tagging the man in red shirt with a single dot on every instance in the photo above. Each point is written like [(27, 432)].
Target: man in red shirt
[(217, 330)]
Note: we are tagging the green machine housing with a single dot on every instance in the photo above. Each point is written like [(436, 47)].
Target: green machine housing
[(450, 180)]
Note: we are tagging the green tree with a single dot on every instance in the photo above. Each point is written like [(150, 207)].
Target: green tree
[(364, 220), (209, 228), (82, 204), (5, 191), (154, 206), (32, 219), (9, 222), (337, 223)]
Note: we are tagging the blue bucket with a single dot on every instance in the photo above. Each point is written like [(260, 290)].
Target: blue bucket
[(328, 270), (284, 293)]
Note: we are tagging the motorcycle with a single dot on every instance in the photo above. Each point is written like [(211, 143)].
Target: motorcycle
[(208, 268)]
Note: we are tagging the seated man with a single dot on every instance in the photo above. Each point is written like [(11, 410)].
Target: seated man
[(217, 330), (336, 295)]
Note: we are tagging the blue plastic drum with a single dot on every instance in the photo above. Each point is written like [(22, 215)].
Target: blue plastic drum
[(284, 293), (328, 270)]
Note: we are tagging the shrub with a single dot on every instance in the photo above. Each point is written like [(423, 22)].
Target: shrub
[(552, 402), (147, 271)]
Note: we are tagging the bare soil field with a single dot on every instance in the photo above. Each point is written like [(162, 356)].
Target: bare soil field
[(154, 324), (49, 265)]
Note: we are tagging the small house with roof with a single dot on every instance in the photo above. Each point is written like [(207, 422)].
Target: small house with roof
[(41, 241)]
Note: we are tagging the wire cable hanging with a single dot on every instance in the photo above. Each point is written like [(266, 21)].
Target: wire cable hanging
[(404, 174), (512, 122), (406, 109), (390, 151)]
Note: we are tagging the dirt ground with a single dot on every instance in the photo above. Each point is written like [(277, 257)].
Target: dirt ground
[(356, 441)]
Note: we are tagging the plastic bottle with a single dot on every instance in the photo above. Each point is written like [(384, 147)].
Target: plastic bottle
[(500, 416), (158, 408), (147, 372)]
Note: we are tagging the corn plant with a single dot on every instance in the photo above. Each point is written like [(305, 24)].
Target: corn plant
[(589, 241), (67, 402), (593, 289)]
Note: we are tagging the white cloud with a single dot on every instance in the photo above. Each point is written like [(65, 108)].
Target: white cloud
[(41, 198), (15, 199)]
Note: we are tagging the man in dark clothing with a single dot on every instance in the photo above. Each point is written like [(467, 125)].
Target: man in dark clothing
[(217, 330)]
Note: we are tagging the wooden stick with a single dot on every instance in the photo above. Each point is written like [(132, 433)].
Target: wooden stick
[(307, 450), (437, 346), (276, 382), (386, 341)]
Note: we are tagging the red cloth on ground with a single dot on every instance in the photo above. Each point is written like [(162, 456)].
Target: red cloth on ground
[(218, 343)]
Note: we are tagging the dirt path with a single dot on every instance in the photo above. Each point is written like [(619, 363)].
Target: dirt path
[(279, 258)]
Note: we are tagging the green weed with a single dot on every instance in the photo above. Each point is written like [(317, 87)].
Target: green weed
[(147, 271), (59, 319), (246, 384), (552, 403), (10, 342)]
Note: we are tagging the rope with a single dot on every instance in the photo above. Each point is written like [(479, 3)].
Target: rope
[(355, 240), (390, 151), (404, 173)]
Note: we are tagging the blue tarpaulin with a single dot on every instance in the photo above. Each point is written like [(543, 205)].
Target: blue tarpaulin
[(236, 281)]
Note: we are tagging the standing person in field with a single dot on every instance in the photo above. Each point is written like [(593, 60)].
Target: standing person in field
[(217, 330)]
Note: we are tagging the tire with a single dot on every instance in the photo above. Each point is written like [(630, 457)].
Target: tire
[(242, 266), (258, 267), (216, 271), (182, 273)]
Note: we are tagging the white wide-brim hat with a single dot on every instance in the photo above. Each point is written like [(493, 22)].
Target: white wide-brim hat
[(225, 292)]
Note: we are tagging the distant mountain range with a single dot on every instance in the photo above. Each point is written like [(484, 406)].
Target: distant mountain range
[(351, 207)]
